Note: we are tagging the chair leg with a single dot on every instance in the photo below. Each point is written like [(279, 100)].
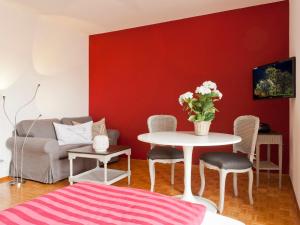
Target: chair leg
[(235, 188), (202, 177), (223, 175), (250, 186), (152, 174), (172, 173)]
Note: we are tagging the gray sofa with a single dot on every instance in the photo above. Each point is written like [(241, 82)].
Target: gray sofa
[(43, 159)]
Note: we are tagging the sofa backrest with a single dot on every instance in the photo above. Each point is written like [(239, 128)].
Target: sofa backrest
[(42, 128), (68, 121)]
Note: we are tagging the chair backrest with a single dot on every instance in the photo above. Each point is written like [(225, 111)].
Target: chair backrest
[(247, 128), (158, 123)]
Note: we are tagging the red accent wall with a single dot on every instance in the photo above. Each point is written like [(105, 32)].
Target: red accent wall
[(139, 72)]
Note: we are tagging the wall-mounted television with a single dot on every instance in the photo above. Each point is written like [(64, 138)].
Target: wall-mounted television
[(275, 80)]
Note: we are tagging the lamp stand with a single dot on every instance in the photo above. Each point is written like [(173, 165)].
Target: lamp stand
[(18, 180)]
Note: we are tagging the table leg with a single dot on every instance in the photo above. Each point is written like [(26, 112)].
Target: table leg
[(71, 170), (257, 164), (280, 163), (105, 171), (269, 157), (188, 153), (129, 170), (188, 195)]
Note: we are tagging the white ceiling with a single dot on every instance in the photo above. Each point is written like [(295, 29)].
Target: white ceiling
[(100, 16)]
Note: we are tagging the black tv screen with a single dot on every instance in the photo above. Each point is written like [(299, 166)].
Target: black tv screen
[(275, 80)]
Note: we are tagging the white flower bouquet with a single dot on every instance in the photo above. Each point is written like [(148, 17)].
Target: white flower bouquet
[(200, 106)]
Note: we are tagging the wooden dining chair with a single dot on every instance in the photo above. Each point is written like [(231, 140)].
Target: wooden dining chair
[(225, 162), (162, 154)]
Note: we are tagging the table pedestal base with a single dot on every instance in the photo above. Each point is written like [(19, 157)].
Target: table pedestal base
[(199, 200), (188, 195)]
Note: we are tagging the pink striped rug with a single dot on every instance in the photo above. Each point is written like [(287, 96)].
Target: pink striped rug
[(87, 203)]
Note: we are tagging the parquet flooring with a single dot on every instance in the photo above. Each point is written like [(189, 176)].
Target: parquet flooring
[(272, 206)]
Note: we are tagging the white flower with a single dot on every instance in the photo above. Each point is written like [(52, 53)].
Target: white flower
[(209, 84), (220, 95), (187, 95), (203, 90)]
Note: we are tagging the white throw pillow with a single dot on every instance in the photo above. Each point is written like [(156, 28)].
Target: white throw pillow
[(74, 134), (98, 128)]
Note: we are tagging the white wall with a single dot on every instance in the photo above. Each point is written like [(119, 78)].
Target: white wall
[(295, 103), (41, 49)]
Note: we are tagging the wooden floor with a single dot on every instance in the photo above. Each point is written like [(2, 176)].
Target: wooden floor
[(271, 205)]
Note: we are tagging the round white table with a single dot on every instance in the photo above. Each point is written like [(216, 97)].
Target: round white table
[(188, 140)]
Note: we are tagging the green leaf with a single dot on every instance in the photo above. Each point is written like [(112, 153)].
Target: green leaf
[(213, 94), (209, 116), (192, 118), (199, 117), (208, 106)]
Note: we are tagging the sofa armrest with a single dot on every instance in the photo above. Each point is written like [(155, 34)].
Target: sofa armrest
[(113, 136), (34, 144)]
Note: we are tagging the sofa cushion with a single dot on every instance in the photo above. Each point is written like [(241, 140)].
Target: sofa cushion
[(98, 128), (68, 120), (42, 128)]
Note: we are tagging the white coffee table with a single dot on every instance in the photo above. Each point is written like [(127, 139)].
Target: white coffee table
[(99, 174), (188, 140)]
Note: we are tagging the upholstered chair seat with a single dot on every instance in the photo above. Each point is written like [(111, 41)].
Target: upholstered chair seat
[(165, 152), (227, 160)]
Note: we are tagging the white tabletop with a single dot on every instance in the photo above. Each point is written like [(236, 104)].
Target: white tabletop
[(183, 138)]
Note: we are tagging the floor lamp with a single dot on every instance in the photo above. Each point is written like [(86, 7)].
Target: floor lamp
[(18, 178)]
